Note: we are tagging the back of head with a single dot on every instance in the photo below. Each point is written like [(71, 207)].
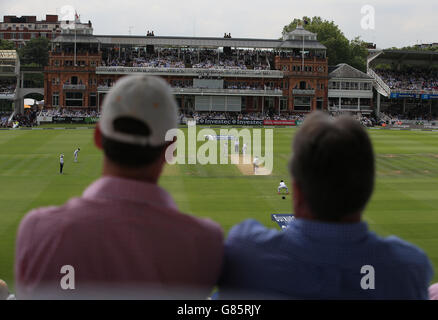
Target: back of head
[(333, 165), (137, 113), (4, 291)]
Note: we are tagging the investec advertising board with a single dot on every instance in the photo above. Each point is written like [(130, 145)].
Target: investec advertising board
[(424, 96), (228, 122), (279, 123), (234, 122), (87, 120)]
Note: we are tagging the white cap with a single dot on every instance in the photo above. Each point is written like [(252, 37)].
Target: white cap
[(147, 99)]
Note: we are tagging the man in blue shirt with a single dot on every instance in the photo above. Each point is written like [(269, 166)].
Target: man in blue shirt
[(327, 252)]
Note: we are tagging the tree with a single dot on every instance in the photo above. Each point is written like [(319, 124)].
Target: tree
[(6, 45), (35, 51), (358, 54), (339, 48)]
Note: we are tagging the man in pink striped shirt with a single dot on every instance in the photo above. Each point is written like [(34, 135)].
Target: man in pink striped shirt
[(124, 237)]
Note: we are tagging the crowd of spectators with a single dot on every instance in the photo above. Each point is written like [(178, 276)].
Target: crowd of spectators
[(391, 117), (4, 120), (364, 119), (415, 79), (68, 113), (7, 86), (247, 86), (203, 59), (27, 119), (158, 63), (238, 85), (297, 53), (242, 116)]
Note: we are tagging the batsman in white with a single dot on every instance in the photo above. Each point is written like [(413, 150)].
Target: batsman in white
[(76, 154)]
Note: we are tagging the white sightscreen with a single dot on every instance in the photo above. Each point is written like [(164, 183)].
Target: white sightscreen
[(218, 103)]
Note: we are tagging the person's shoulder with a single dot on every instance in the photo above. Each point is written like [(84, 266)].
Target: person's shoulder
[(36, 215), (36, 224), (201, 226), (45, 217), (252, 231), (403, 252)]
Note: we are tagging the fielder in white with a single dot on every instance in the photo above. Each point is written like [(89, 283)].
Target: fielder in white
[(61, 163), (236, 146), (76, 154), (282, 186), (244, 148), (255, 164)]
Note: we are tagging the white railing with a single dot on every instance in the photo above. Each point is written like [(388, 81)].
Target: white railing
[(380, 82), (12, 116), (203, 91), (191, 71), (349, 108), (239, 92)]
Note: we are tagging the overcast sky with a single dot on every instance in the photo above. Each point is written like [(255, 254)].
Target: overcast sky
[(397, 23)]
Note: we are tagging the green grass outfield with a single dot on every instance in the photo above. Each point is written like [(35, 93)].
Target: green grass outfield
[(405, 202)]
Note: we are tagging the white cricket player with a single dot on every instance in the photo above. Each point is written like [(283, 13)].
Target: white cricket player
[(255, 164), (283, 186), (225, 148), (61, 163), (76, 154), (236, 146), (244, 148)]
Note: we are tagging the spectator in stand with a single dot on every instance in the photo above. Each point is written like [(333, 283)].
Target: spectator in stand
[(327, 252), (124, 237), (7, 86)]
